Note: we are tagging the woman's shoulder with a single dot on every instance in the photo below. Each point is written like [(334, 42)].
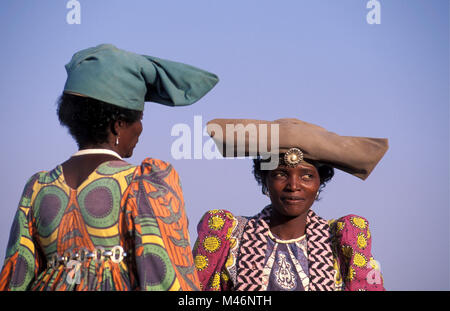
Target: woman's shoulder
[(154, 161), (118, 168), (38, 177), (110, 168), (350, 222), (223, 222), (223, 214), (42, 178), (352, 230), (154, 165), (216, 218), (160, 174)]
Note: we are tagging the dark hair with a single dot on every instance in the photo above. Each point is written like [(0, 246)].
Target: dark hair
[(90, 120), (326, 172)]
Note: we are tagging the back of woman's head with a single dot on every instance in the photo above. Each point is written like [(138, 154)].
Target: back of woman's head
[(90, 121)]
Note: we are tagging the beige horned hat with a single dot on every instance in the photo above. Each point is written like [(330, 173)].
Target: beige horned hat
[(298, 140)]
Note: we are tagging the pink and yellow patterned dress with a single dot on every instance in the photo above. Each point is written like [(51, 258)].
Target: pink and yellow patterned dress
[(123, 228), (240, 253)]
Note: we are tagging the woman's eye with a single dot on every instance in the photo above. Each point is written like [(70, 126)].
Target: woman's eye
[(307, 176), (279, 174)]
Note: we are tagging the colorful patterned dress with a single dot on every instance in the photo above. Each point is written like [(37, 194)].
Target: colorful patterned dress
[(240, 253), (123, 228)]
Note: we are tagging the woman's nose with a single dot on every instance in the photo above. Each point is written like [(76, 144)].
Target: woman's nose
[(293, 183)]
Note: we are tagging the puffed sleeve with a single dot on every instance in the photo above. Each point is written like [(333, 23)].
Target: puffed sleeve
[(359, 269), (23, 257), (212, 248), (155, 228)]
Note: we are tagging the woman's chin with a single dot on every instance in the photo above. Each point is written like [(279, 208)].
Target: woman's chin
[(292, 211), (127, 155)]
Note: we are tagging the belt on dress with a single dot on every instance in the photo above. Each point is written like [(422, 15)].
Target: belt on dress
[(116, 255)]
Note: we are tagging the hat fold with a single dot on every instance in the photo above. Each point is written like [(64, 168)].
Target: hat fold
[(127, 79), (175, 84)]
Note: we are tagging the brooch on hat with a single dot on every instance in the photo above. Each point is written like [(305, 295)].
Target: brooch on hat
[(293, 157)]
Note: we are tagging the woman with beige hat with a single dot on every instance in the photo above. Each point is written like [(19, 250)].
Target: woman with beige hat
[(287, 246)]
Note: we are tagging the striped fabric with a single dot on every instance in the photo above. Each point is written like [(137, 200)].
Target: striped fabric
[(252, 253), (320, 255), (253, 247)]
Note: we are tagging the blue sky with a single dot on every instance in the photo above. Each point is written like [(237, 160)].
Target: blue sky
[(315, 60)]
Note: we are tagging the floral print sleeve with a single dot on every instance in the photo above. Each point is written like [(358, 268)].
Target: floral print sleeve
[(211, 250), (358, 267)]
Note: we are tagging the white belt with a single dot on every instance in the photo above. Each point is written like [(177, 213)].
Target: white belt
[(116, 255)]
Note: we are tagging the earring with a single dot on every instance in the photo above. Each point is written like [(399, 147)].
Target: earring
[(317, 195), (117, 141)]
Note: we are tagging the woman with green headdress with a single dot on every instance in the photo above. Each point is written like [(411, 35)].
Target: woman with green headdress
[(287, 246), (96, 222)]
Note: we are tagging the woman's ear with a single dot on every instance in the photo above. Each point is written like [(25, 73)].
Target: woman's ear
[(114, 128), (264, 182), (117, 126)]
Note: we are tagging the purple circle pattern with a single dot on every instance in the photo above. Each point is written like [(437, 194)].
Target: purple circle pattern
[(156, 274), (117, 164), (49, 207), (99, 202), (20, 270)]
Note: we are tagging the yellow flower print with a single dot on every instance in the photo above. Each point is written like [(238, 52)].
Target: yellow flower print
[(359, 222), (211, 243), (215, 282), (361, 241), (230, 261), (229, 215), (233, 243), (201, 262), (340, 225), (359, 260), (216, 222), (214, 211), (225, 276), (337, 275), (368, 233), (351, 273), (230, 231)]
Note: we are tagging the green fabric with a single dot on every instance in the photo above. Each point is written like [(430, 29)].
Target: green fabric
[(128, 80)]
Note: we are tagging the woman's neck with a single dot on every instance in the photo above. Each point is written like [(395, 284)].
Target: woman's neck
[(77, 168), (105, 146), (98, 146), (288, 228)]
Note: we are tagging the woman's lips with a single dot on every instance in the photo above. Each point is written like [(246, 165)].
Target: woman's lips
[(292, 199)]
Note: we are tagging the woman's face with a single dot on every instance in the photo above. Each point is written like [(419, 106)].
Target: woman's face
[(129, 137), (293, 190)]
